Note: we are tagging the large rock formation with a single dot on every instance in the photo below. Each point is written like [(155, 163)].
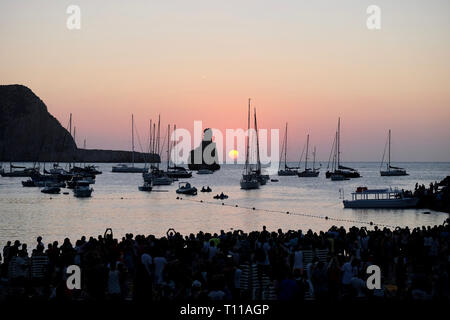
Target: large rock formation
[(28, 132)]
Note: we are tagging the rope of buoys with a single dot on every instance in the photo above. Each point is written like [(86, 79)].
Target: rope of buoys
[(371, 223)]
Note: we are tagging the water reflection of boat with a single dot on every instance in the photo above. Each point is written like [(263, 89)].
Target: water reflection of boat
[(380, 198)]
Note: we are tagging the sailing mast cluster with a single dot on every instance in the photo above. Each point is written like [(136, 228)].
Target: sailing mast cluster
[(335, 170)]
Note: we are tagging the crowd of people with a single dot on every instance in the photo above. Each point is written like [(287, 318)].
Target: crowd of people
[(414, 264)]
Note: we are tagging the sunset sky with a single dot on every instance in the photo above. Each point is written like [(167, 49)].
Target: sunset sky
[(305, 62)]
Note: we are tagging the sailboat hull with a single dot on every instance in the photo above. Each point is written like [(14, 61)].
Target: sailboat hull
[(345, 174), (287, 172), (308, 174), (129, 169), (393, 173), (249, 184)]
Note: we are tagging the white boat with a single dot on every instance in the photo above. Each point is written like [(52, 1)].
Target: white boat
[(124, 168), (82, 189), (391, 170), (249, 179), (286, 171), (309, 172), (364, 198), (205, 171)]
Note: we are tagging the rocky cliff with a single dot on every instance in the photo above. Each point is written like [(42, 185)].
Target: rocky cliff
[(28, 132)]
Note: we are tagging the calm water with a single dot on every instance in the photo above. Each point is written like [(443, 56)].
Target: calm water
[(116, 203)]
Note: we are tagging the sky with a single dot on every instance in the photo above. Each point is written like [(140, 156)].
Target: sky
[(302, 62)]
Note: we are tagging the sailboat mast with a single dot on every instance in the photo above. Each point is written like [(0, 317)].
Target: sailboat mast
[(307, 148), (159, 137), (132, 139), (339, 143), (175, 144), (168, 146), (335, 153), (389, 153), (314, 159), (285, 147), (248, 136), (258, 160), (84, 147)]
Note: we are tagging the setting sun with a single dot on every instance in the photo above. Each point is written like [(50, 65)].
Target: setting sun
[(233, 154)]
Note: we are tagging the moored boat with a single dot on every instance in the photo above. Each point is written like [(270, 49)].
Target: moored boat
[(336, 167), (186, 188), (309, 172), (286, 170), (249, 179), (82, 189), (51, 190), (391, 170), (364, 198), (147, 186)]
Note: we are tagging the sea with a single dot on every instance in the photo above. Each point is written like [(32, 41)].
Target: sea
[(292, 203)]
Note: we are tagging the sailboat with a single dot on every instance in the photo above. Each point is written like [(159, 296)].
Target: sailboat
[(337, 169), (287, 171), (176, 171), (157, 176), (249, 178), (309, 172), (262, 178), (391, 170), (125, 168)]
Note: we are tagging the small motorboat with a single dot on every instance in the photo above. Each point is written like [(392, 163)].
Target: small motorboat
[(186, 188), (274, 180), (205, 171), (51, 190), (222, 196), (82, 189), (146, 187), (28, 183), (207, 189)]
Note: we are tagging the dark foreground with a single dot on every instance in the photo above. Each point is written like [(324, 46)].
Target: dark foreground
[(234, 267)]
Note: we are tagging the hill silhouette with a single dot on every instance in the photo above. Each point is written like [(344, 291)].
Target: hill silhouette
[(28, 132)]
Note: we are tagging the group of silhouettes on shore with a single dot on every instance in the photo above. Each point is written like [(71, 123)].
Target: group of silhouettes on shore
[(414, 264)]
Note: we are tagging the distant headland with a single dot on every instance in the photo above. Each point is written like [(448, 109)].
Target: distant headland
[(28, 132)]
